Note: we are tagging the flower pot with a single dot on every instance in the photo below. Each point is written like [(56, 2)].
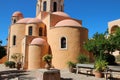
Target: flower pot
[(98, 74), (19, 65), (47, 66), (71, 69)]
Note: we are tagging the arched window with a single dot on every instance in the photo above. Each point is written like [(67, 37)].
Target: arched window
[(14, 40), (44, 6), (54, 7), (14, 21), (63, 42), (114, 28), (30, 30), (40, 31)]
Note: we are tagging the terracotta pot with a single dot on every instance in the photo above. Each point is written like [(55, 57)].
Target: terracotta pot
[(19, 65), (71, 69), (47, 66), (98, 74)]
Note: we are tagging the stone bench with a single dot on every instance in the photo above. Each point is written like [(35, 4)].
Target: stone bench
[(89, 68)]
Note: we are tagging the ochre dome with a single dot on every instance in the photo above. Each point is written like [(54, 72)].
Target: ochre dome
[(68, 22), (61, 14), (25, 20), (38, 41), (34, 20), (17, 14)]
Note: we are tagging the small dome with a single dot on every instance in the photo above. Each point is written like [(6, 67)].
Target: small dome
[(18, 14), (38, 41), (68, 22), (25, 20), (34, 20), (61, 14)]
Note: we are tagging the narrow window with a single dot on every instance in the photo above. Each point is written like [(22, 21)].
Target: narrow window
[(30, 30), (44, 6), (54, 7), (40, 31), (14, 40), (63, 42), (14, 21), (61, 8)]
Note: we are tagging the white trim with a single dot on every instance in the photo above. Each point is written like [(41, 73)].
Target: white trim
[(60, 43)]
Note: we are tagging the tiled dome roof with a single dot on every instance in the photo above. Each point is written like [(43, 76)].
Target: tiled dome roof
[(68, 22), (38, 41), (29, 20), (34, 20), (24, 20), (61, 14), (18, 14)]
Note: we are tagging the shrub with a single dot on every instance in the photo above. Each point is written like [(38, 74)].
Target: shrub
[(82, 58), (71, 64), (10, 64)]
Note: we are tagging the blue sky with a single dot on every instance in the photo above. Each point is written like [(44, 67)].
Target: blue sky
[(95, 14)]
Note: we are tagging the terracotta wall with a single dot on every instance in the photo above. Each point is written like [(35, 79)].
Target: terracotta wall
[(3, 60)]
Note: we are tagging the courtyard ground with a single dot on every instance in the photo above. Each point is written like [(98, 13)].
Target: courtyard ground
[(13, 74)]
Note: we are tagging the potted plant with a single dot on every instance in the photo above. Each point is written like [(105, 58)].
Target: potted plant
[(17, 58), (47, 58), (100, 66), (71, 66)]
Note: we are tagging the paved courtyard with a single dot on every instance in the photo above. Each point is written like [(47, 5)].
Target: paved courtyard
[(13, 74)]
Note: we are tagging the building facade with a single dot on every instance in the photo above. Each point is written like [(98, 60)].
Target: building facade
[(112, 26), (51, 31)]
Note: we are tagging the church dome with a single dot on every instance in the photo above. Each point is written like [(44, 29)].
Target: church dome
[(34, 20), (38, 41), (17, 14), (61, 14), (25, 20), (68, 22)]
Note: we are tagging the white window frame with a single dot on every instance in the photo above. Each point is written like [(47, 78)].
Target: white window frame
[(60, 43)]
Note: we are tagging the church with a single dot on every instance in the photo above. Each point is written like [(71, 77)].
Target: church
[(52, 31)]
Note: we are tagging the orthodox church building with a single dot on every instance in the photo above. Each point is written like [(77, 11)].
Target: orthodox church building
[(52, 31)]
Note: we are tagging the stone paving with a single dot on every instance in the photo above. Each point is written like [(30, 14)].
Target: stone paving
[(73, 76), (13, 74)]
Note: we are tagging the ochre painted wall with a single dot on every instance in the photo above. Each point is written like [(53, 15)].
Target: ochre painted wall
[(73, 37)]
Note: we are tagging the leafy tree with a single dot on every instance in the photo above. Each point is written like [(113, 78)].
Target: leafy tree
[(82, 58), (0, 42), (115, 39), (99, 44), (2, 51)]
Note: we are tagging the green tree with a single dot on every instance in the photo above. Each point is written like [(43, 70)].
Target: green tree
[(0, 42), (115, 39), (2, 51), (99, 44)]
